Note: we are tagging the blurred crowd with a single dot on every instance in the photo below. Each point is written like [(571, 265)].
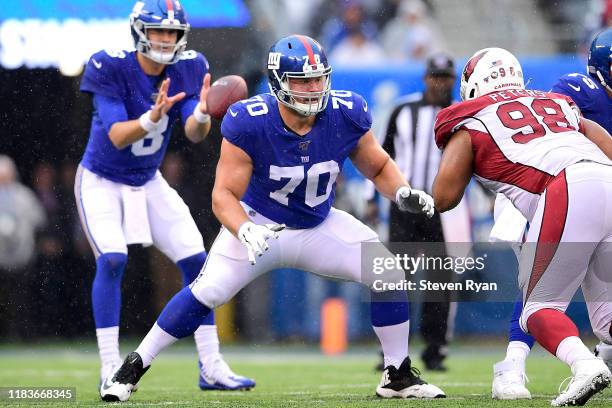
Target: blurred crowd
[(355, 32)]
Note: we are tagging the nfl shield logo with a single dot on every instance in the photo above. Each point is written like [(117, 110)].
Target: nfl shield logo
[(303, 146)]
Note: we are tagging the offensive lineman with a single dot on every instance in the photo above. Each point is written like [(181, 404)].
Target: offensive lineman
[(280, 157)]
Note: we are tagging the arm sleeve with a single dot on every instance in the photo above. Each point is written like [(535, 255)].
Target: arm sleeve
[(109, 110)]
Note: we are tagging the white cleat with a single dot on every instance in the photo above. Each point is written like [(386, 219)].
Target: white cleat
[(108, 370), (509, 381), (590, 377), (115, 391), (406, 383), (216, 375)]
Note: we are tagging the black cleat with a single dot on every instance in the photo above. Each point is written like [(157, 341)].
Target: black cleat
[(405, 382), (121, 385)]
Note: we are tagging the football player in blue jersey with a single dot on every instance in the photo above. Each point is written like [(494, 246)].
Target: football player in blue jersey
[(121, 196), (592, 94), (273, 193)]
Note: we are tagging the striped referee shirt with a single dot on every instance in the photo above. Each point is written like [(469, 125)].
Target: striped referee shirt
[(409, 140)]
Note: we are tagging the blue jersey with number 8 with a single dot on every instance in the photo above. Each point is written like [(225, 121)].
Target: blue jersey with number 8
[(116, 78), (294, 177)]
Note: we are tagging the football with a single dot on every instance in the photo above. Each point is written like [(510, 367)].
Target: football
[(224, 92)]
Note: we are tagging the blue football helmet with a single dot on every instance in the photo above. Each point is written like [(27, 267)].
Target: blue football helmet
[(299, 56), (159, 14), (600, 57)]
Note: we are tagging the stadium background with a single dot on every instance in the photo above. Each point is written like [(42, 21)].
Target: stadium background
[(45, 122)]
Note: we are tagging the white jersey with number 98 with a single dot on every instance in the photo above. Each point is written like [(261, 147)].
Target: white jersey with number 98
[(521, 139)]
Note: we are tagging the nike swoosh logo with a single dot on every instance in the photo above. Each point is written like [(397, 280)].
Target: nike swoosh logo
[(106, 385), (234, 114), (96, 63), (575, 88)]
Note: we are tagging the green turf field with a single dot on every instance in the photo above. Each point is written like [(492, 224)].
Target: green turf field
[(286, 376)]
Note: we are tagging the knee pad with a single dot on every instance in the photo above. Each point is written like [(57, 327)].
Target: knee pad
[(212, 296)]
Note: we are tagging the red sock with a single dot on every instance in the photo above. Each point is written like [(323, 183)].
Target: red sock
[(549, 327)]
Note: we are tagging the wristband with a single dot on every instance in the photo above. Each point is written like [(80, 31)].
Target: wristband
[(146, 123), (199, 116)]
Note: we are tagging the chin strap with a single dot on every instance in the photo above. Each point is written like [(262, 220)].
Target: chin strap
[(602, 81)]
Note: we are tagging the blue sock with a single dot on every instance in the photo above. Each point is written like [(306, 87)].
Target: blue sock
[(182, 315), (190, 269), (106, 289), (389, 308), (515, 333)]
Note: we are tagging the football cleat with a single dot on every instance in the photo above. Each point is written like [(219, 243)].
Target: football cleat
[(509, 381), (405, 382), (604, 351), (120, 386), (108, 370), (216, 375), (590, 377)]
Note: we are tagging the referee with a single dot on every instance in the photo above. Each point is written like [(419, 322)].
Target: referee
[(409, 139)]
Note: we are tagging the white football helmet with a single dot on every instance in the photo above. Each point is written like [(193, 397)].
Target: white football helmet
[(490, 70)]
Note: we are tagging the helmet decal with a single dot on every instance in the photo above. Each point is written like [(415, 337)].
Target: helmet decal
[(471, 64)]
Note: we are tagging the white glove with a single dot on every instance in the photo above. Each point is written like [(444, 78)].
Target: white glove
[(254, 237), (414, 201)]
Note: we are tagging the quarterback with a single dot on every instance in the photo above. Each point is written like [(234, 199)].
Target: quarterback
[(121, 196)]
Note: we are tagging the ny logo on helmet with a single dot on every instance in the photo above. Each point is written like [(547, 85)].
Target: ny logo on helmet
[(274, 60)]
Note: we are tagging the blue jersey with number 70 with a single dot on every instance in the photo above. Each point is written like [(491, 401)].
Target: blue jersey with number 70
[(294, 177), (122, 91)]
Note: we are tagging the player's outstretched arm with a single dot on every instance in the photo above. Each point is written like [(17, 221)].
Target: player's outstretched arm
[(454, 172), (371, 159), (198, 124), (374, 163), (598, 135), (231, 181), (123, 134)]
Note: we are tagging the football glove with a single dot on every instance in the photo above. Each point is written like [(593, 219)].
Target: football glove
[(254, 237), (414, 201)]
